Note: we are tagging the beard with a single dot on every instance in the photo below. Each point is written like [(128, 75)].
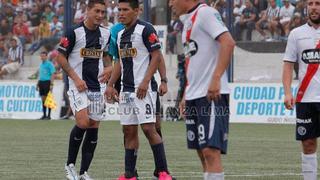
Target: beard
[(315, 21)]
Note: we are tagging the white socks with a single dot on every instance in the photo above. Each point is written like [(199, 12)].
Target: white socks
[(213, 176), (309, 166)]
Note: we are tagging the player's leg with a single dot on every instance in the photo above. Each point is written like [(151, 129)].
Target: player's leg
[(95, 114), (147, 121), (307, 130), (43, 91), (79, 103), (131, 149), (129, 122), (213, 130)]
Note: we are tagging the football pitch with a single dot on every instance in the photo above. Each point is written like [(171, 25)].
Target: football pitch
[(31, 150)]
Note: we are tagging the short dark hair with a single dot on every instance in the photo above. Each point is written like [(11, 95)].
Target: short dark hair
[(44, 52), (91, 3), (133, 3)]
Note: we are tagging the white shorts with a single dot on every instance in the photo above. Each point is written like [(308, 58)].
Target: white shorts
[(11, 67), (134, 111), (94, 101)]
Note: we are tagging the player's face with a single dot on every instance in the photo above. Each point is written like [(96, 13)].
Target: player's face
[(178, 6), (127, 14), (96, 14), (314, 11)]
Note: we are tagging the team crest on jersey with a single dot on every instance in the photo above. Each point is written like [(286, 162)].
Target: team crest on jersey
[(128, 53), (190, 48), (311, 56), (91, 53)]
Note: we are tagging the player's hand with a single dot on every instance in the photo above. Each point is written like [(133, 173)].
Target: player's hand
[(182, 107), (80, 85), (142, 90), (214, 90), (163, 88), (106, 74), (111, 95), (289, 101)]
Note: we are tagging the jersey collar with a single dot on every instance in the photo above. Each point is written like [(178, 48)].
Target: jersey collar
[(194, 8)]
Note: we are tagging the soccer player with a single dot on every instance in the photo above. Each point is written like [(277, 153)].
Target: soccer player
[(140, 55), (208, 48), (83, 57), (45, 83), (304, 47)]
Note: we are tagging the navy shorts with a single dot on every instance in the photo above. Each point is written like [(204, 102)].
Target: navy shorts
[(308, 121), (208, 123), (44, 87)]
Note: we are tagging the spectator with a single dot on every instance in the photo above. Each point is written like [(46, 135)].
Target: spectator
[(15, 59), (286, 13), (260, 5), (112, 12), (301, 8), (35, 18), (5, 27), (237, 11), (269, 20), (56, 28), (20, 16), (247, 21), (48, 13), (296, 21), (3, 52), (60, 13), (174, 29), (81, 13), (220, 6), (21, 30)]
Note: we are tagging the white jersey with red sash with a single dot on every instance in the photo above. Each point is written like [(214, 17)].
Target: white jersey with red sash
[(303, 46), (202, 27)]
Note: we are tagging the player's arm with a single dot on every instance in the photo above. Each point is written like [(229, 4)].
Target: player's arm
[(290, 58), (65, 48), (218, 32), (163, 88), (225, 53), (111, 94)]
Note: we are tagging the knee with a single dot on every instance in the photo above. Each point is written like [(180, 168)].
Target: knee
[(83, 124), (210, 154), (309, 146), (149, 131), (130, 134)]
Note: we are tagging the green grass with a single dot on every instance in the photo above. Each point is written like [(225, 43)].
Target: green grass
[(31, 150)]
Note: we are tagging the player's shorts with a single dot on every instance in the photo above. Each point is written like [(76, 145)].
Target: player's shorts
[(134, 111), (11, 67), (308, 121), (208, 123), (44, 88), (94, 101)]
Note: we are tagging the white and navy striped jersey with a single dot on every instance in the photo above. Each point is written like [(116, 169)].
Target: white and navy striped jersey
[(135, 45), (16, 54), (84, 50)]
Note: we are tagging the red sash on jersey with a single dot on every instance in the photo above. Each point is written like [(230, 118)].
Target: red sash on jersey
[(193, 19), (311, 71)]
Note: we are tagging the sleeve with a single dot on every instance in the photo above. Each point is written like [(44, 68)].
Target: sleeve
[(291, 54), (113, 48), (67, 43), (211, 22), (150, 38)]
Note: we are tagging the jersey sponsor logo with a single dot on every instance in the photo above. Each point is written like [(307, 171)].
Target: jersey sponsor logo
[(301, 130), (91, 53), (304, 121), (128, 53), (219, 18), (190, 121), (190, 48), (311, 56)]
